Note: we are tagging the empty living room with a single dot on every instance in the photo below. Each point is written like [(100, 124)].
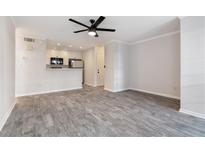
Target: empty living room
[(102, 84), (102, 76)]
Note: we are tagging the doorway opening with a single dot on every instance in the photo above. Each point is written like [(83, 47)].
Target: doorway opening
[(94, 66), (100, 55)]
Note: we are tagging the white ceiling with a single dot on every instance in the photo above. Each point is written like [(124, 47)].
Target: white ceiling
[(128, 28)]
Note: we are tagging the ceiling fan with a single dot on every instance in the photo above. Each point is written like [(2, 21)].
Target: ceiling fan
[(92, 30)]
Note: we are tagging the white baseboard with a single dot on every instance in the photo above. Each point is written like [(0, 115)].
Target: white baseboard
[(154, 93), (114, 91), (107, 89), (199, 115), (46, 92), (91, 85), (144, 91), (120, 90), (6, 115)]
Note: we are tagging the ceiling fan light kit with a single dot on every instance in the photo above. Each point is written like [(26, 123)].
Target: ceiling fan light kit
[(92, 30), (91, 33)]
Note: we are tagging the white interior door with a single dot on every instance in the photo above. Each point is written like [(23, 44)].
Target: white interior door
[(100, 66)]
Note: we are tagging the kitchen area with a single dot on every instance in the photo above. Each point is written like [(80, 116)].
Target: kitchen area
[(44, 66)]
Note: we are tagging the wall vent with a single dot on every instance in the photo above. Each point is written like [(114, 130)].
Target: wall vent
[(31, 40), (29, 43)]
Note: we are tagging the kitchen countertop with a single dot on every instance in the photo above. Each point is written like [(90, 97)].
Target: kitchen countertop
[(60, 67)]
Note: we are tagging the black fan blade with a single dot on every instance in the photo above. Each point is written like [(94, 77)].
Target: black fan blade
[(100, 19), (106, 30), (72, 20), (81, 31)]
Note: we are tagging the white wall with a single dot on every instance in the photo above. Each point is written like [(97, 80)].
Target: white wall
[(7, 68), (193, 66), (155, 66), (121, 61), (109, 66), (32, 77), (90, 65), (117, 68), (150, 66)]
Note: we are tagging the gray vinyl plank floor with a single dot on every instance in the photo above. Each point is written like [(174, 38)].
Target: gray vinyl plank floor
[(94, 112)]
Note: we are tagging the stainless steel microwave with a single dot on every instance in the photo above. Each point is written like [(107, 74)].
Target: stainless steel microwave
[(56, 61), (75, 63)]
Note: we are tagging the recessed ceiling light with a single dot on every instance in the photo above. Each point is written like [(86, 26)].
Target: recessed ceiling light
[(81, 47), (58, 44)]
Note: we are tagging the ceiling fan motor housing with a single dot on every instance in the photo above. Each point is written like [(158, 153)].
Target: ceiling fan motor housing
[(92, 21)]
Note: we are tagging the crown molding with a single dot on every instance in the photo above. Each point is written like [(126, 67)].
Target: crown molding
[(116, 41), (182, 17), (155, 37), (145, 40)]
